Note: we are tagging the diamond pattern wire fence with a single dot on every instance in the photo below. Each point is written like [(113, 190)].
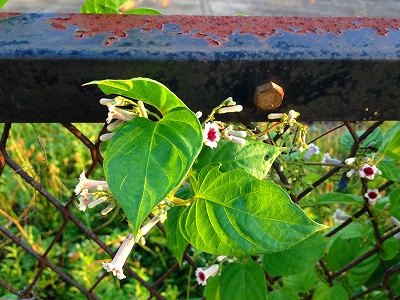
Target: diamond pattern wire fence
[(37, 265)]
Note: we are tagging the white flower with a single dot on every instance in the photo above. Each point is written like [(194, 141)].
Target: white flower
[(199, 114), (292, 115), (339, 216), (312, 149), (89, 184), (96, 202), (211, 135), (349, 161), (115, 102), (107, 136), (367, 171), (230, 109), (109, 208), (274, 116), (350, 173), (327, 159), (241, 134), (203, 274), (119, 259), (114, 125), (84, 199), (397, 223), (119, 114), (372, 196), (234, 139)]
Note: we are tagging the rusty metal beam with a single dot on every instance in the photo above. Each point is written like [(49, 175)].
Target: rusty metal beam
[(331, 68)]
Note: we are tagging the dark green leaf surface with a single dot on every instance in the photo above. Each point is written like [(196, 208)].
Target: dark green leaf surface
[(325, 292), (243, 282), (346, 140), (213, 288), (146, 160), (234, 213), (389, 170), (254, 157), (334, 198), (142, 11), (175, 240), (297, 258)]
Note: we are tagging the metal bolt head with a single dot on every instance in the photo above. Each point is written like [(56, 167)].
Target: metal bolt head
[(268, 96)]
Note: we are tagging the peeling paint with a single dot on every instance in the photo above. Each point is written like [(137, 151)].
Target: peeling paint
[(6, 15), (216, 30)]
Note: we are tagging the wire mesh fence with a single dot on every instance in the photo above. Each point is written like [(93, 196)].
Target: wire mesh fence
[(45, 264)]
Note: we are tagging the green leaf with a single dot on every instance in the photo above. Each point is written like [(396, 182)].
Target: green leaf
[(101, 6), (213, 288), (346, 140), (175, 240), (390, 248), (391, 144), (362, 272), (2, 3), (394, 208), (348, 249), (334, 198), (325, 292), (236, 214), (146, 160), (254, 157), (243, 282), (142, 11), (283, 294), (297, 258), (304, 281), (389, 170)]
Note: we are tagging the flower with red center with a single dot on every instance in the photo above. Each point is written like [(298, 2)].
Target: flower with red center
[(211, 135), (372, 196), (312, 149), (203, 274), (367, 171)]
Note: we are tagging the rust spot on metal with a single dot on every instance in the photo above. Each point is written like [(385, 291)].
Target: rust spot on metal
[(268, 96), (6, 15), (216, 30)]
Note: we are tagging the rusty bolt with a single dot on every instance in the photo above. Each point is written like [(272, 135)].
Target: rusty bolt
[(268, 96)]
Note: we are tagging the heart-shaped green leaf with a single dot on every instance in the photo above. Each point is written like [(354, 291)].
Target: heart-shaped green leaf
[(254, 157), (234, 213), (147, 160)]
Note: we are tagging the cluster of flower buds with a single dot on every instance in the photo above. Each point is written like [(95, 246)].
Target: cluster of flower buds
[(214, 131), (162, 209), (92, 193), (119, 114), (362, 168)]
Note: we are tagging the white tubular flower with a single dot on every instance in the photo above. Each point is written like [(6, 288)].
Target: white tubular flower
[(339, 216), (203, 274), (211, 135), (96, 202), (397, 223), (350, 173), (119, 113), (199, 114), (109, 102), (109, 208), (241, 134), (119, 259), (234, 139), (263, 137), (107, 136), (327, 159), (292, 115), (114, 125), (230, 109), (146, 228), (367, 171), (89, 184), (312, 149), (275, 116), (372, 196), (349, 161), (84, 199)]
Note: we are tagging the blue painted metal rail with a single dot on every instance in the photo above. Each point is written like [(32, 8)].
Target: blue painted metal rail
[(331, 68)]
